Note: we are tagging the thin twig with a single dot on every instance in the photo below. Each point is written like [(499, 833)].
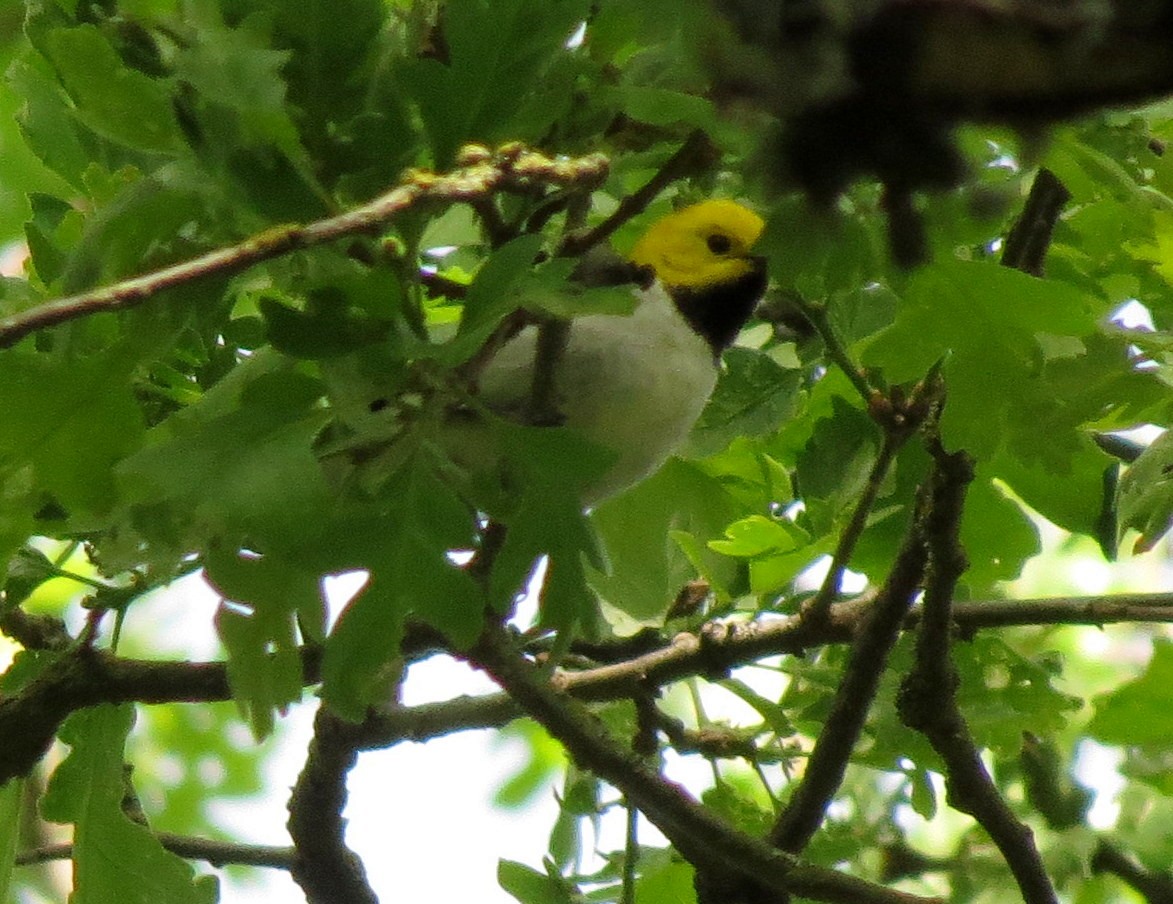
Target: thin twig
[(217, 853), (820, 604), (630, 856), (816, 313), (512, 168), (696, 155), (861, 678)]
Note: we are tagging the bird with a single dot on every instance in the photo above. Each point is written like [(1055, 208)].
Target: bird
[(632, 385), (636, 384)]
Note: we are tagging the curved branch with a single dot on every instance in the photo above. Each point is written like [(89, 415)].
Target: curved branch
[(512, 167), (1155, 887), (325, 868)]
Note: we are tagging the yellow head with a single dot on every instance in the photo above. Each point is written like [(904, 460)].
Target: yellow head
[(701, 245)]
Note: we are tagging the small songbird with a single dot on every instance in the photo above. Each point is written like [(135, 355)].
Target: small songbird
[(636, 384), (633, 384)]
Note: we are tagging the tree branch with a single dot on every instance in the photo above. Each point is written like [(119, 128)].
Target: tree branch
[(513, 167), (1155, 887), (85, 677), (820, 603), (696, 155), (217, 853), (325, 868), (877, 635), (704, 840), (928, 701), (31, 717), (1030, 236)]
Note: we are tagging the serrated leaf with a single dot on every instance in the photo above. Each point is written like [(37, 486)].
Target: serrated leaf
[(264, 664), (1144, 496), (752, 397), (547, 471), (986, 323), (51, 408), (642, 532), (997, 535), (114, 859), (247, 473), (834, 465), (406, 551)]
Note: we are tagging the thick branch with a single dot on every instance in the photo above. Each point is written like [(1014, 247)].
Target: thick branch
[(325, 868), (928, 701), (706, 841), (86, 677)]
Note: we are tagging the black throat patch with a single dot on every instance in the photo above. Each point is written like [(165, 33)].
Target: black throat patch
[(718, 313)]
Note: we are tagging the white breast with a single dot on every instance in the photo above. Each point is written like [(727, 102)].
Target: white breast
[(635, 384)]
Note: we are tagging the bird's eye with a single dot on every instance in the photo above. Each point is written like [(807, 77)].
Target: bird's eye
[(719, 243)]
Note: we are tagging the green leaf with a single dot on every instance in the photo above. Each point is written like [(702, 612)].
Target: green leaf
[(988, 324), (11, 806), (248, 475), (117, 102), (753, 396), (922, 796), (325, 329), (771, 712), (1144, 496), (234, 68), (665, 107), (833, 467), (264, 665), (114, 859), (407, 552), (491, 294), (529, 886), (547, 470), (665, 876), (492, 47), (1136, 713), (50, 408), (330, 47), (997, 535), (639, 530)]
